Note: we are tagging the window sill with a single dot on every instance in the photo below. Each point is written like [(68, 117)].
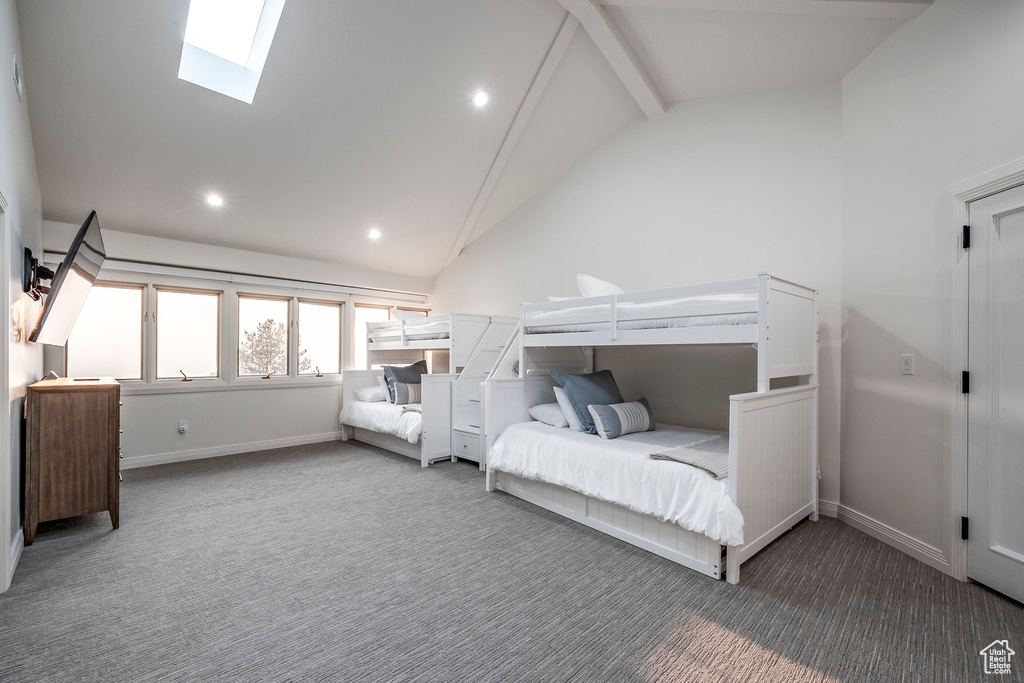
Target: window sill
[(196, 386)]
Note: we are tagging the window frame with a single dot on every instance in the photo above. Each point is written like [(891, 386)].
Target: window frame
[(341, 333), (114, 284), (157, 288), (290, 359), (150, 277)]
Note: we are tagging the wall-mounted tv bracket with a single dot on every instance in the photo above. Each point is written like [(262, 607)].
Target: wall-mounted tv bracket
[(32, 272)]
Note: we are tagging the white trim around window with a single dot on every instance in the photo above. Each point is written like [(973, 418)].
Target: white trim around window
[(228, 333)]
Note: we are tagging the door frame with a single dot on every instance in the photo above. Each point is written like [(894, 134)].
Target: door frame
[(955, 466), (6, 563)]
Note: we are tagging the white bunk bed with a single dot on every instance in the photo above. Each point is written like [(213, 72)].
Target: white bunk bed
[(458, 334), (772, 434), (465, 345)]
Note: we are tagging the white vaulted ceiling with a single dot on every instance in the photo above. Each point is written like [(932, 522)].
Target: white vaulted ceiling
[(363, 115)]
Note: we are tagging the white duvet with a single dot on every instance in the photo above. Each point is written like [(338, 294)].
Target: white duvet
[(619, 471), (413, 331), (384, 418)]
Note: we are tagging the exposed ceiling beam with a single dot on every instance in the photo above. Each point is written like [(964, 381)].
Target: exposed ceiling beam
[(620, 56), (540, 82), (874, 9)]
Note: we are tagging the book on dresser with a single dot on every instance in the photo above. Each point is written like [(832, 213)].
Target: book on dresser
[(72, 450)]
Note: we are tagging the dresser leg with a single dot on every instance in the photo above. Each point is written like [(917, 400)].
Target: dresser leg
[(30, 533), (115, 518)]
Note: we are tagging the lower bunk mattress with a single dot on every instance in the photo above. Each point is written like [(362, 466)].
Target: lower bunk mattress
[(405, 422), (620, 471)]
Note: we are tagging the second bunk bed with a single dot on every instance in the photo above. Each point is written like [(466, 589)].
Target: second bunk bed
[(765, 466), (451, 349)]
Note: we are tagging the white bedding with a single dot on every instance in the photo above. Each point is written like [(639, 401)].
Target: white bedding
[(660, 315), (384, 418), (413, 331), (619, 471)]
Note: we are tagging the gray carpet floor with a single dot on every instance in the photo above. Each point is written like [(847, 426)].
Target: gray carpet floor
[(340, 562)]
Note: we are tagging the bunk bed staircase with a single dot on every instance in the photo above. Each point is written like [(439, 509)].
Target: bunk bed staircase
[(466, 392)]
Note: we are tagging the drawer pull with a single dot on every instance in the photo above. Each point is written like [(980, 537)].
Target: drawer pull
[(120, 431)]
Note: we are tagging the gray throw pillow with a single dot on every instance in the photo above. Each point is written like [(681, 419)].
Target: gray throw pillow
[(410, 374), (597, 388)]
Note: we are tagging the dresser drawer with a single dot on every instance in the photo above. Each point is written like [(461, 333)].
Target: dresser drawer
[(466, 445)]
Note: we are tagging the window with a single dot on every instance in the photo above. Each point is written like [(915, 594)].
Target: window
[(227, 43), (319, 338), (365, 314), (262, 336), (187, 338), (106, 340)]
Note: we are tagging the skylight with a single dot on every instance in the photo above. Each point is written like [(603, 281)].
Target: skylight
[(226, 44)]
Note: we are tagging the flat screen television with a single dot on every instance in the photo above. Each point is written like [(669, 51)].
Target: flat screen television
[(71, 284)]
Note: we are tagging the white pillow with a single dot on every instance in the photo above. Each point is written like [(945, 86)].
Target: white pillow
[(567, 410), (591, 286), (399, 314), (384, 391), (549, 414), (369, 394)]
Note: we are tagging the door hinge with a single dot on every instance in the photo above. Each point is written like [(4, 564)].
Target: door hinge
[(965, 382), (967, 237), (964, 528)]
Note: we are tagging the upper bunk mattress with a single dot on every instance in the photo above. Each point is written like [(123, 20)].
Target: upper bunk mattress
[(619, 471), (405, 422), (656, 315), (413, 332)]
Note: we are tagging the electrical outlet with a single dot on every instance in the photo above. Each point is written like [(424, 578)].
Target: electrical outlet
[(182, 426), (908, 364)]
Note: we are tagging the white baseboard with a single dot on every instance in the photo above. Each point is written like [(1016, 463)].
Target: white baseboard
[(17, 546), (930, 555), (828, 508), (231, 449)]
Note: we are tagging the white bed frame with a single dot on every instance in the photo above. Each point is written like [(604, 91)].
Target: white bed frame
[(435, 442), (463, 332), (773, 433)]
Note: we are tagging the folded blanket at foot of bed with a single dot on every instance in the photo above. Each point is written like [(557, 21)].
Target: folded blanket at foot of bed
[(710, 455)]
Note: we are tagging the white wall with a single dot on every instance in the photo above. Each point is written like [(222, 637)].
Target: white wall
[(128, 246), (716, 189), (222, 422), (940, 102), (19, 187)]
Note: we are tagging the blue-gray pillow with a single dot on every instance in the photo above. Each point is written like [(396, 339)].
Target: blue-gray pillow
[(410, 374), (612, 421), (597, 388)]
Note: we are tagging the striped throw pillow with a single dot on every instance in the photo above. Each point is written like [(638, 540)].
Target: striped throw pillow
[(407, 393), (622, 418)]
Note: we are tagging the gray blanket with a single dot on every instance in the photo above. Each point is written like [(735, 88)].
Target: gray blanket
[(710, 455)]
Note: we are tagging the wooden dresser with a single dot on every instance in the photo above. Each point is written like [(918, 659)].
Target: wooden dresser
[(72, 450)]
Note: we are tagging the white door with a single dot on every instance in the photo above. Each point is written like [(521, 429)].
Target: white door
[(995, 429)]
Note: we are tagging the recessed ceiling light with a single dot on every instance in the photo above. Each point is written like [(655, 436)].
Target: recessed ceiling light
[(374, 234), (481, 98), (214, 200)]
